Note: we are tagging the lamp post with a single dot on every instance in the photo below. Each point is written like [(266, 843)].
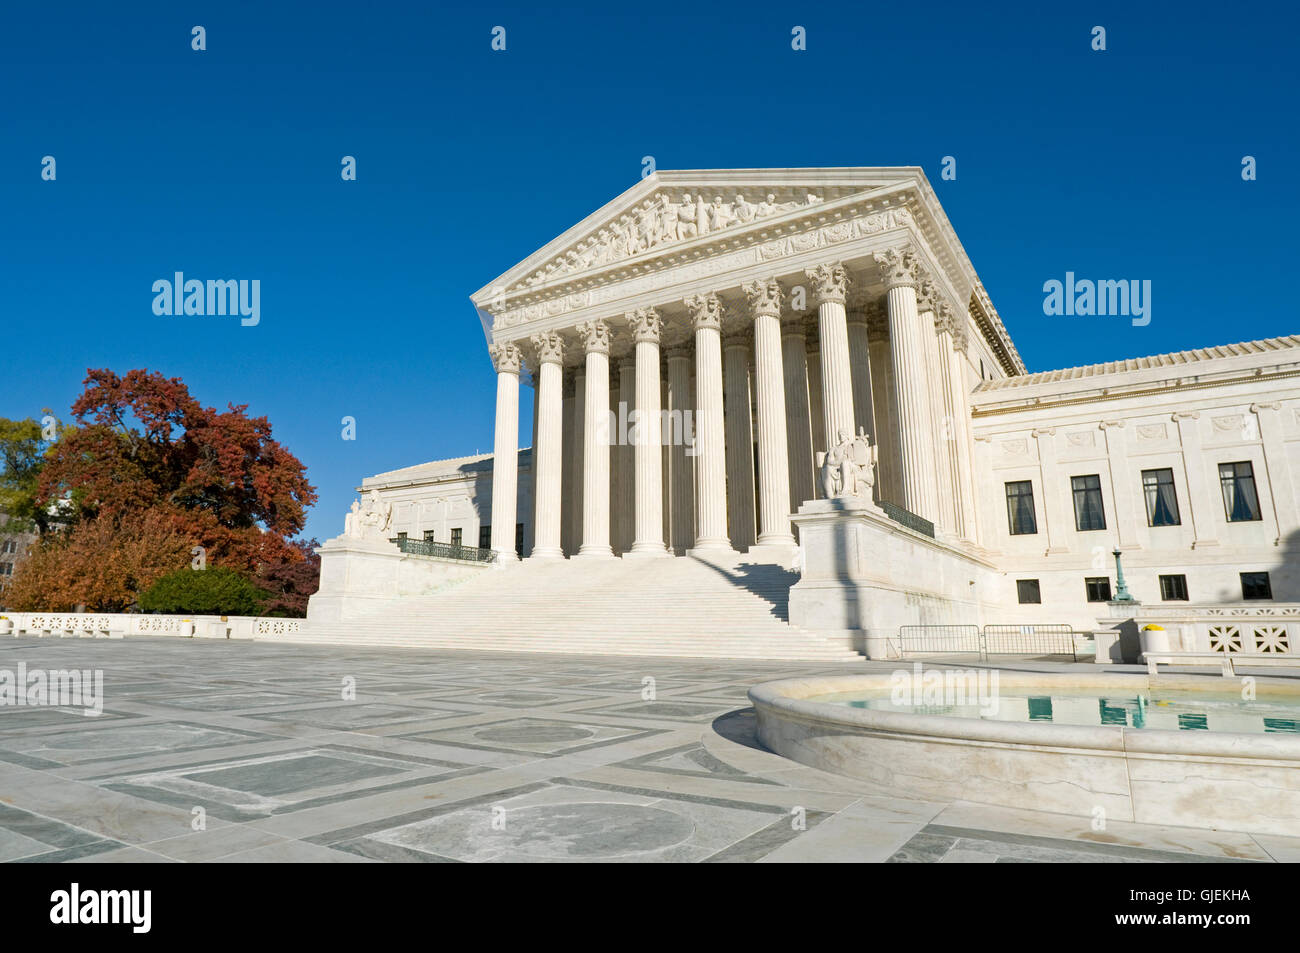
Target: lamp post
[(1121, 588)]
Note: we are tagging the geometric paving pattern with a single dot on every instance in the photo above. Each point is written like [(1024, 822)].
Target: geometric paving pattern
[(223, 751)]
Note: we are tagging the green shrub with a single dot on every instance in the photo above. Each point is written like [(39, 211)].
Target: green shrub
[(214, 591)]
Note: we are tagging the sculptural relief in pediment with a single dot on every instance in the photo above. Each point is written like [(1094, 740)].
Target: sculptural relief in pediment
[(666, 219)]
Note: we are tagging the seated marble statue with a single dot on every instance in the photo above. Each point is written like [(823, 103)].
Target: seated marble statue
[(848, 468), (372, 520)]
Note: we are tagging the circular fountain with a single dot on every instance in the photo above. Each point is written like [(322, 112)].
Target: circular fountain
[(1181, 750)]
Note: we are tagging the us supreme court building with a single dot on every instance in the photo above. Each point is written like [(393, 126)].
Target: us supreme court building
[(695, 343)]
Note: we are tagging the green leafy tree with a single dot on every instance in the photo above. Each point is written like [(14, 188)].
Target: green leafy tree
[(23, 452), (214, 591)]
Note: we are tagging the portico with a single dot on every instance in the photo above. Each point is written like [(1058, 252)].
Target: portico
[(728, 321)]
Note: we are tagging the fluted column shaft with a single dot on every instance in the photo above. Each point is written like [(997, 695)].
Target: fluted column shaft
[(647, 445), (505, 450), (911, 385), (595, 439), (829, 287), (941, 422), (773, 459), (548, 456), (953, 344), (737, 404), (576, 456), (860, 362), (681, 473), (798, 423), (711, 448), (621, 493)]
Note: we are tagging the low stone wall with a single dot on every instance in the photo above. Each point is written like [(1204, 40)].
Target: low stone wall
[(116, 625)]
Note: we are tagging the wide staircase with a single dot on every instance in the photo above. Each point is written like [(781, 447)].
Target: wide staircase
[(663, 607)]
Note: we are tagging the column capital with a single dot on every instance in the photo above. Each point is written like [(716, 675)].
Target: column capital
[(507, 357), (1112, 424), (705, 311), (830, 282), (646, 325), (898, 266), (764, 296), (1255, 408), (678, 352), (595, 336), (549, 347), (927, 294), (1178, 415)]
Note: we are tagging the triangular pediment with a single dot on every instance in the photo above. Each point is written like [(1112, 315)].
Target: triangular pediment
[(669, 212)]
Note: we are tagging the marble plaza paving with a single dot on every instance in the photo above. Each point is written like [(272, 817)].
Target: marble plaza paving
[(438, 746)]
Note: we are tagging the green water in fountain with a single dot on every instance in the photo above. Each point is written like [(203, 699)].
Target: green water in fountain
[(1167, 710)]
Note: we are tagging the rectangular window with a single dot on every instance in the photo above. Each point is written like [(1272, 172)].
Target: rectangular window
[(1162, 499), (455, 536), (1173, 588), (1240, 501), (1255, 585), (1027, 592), (485, 537), (428, 536), (1020, 508), (1088, 512), (1098, 588), (401, 536)]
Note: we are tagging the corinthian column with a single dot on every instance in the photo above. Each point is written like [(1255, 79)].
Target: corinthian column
[(798, 424), (764, 298), (860, 364), (830, 284), (911, 385), (547, 450), (647, 444), (941, 424), (736, 397), (505, 450), (595, 439), (681, 473), (621, 496), (710, 444), (953, 341)]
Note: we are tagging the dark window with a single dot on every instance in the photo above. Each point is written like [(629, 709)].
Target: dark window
[(1098, 588), (1240, 501), (519, 540), (1027, 591), (401, 536), (1020, 508), (455, 536), (1173, 588), (1162, 499), (485, 537), (1255, 585), (429, 537), (1088, 512)]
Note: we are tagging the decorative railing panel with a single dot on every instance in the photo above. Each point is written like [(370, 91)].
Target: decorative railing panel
[(428, 547)]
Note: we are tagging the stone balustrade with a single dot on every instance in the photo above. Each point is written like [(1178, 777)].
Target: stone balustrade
[(1272, 628), (121, 624)]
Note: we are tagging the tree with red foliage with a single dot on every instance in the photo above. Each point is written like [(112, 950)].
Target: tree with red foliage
[(291, 582), (218, 477)]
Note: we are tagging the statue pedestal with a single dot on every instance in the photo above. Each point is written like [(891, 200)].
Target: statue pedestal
[(360, 574), (864, 576)]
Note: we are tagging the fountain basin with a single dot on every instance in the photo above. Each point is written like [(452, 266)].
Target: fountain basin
[(1221, 780)]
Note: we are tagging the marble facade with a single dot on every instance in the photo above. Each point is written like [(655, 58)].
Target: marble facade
[(694, 344)]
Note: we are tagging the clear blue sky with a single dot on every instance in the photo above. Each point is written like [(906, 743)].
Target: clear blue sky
[(225, 164)]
